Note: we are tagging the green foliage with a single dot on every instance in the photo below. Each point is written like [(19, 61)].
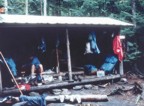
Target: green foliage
[(133, 53), (16, 6), (1, 2), (34, 7)]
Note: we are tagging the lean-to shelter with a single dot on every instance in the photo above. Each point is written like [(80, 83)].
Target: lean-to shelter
[(20, 36)]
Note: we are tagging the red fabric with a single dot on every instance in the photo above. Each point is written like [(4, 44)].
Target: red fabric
[(27, 86), (117, 47)]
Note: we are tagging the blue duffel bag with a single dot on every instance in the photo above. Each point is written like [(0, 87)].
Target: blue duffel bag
[(90, 69)]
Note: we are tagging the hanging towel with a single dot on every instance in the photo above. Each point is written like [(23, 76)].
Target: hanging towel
[(92, 47), (117, 47), (42, 45)]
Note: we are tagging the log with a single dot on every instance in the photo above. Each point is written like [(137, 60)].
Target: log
[(78, 98), (64, 73), (138, 98), (63, 84), (59, 98)]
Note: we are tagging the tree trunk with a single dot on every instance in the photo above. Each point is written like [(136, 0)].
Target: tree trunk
[(45, 8), (26, 5), (48, 7), (134, 12), (41, 6), (6, 6), (57, 10)]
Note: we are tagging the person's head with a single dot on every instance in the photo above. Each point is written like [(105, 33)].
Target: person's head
[(2, 9)]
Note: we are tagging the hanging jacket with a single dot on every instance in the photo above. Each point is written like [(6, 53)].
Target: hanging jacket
[(12, 65), (42, 46), (117, 47), (93, 44)]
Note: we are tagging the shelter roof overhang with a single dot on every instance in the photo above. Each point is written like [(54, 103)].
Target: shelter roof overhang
[(59, 21)]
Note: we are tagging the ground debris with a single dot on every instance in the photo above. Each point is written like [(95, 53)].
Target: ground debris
[(136, 89), (116, 91)]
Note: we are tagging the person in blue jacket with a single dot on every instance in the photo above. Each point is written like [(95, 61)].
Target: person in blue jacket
[(36, 67)]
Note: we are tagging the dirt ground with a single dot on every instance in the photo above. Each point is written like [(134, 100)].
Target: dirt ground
[(124, 98)]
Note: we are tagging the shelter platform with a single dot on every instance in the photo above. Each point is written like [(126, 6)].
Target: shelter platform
[(61, 84)]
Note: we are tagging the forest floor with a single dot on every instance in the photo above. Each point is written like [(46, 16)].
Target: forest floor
[(128, 91), (125, 93)]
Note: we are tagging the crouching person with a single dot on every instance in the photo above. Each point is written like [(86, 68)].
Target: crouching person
[(36, 68)]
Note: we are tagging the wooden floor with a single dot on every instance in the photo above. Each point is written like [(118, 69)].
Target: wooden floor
[(56, 84)]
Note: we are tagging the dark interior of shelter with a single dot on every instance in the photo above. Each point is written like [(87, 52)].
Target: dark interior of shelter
[(22, 42)]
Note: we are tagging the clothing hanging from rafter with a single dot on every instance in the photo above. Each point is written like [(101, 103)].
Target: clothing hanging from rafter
[(91, 45), (117, 47)]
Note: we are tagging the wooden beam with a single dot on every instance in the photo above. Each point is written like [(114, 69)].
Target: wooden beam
[(64, 84), (68, 55), (57, 61), (121, 70), (0, 81), (63, 73)]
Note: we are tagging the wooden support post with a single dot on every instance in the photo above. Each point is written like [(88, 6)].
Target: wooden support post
[(68, 55), (121, 71), (0, 81), (57, 58)]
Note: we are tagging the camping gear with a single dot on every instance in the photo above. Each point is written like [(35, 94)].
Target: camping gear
[(109, 63), (90, 69), (100, 73), (11, 73)]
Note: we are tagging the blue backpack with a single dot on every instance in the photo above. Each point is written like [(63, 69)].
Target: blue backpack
[(109, 63)]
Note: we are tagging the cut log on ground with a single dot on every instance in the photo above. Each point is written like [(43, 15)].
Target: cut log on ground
[(41, 100), (77, 98), (62, 84)]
